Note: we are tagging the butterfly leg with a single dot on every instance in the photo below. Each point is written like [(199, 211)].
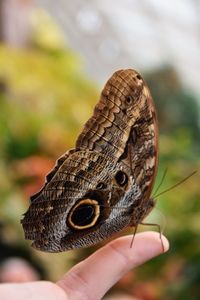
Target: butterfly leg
[(134, 233), (159, 230)]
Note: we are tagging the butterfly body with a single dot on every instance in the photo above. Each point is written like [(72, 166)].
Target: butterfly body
[(104, 184)]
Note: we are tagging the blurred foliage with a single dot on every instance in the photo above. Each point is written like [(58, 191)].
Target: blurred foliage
[(177, 108), (45, 100)]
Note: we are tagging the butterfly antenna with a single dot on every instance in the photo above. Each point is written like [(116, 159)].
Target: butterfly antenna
[(161, 182), (175, 185)]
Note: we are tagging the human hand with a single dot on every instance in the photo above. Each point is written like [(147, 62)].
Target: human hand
[(93, 277)]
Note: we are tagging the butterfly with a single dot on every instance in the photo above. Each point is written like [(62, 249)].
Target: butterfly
[(104, 184)]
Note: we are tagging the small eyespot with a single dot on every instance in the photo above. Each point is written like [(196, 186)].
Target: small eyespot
[(129, 100), (101, 186), (138, 77), (84, 214), (121, 178)]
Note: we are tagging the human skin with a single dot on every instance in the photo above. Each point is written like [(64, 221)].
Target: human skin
[(94, 276)]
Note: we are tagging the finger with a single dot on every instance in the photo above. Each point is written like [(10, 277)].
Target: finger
[(38, 290), (91, 278)]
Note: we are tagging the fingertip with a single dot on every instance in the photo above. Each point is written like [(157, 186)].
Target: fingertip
[(165, 243), (153, 241), (159, 241), (146, 245)]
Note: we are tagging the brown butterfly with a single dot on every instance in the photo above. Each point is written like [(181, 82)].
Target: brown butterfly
[(104, 184)]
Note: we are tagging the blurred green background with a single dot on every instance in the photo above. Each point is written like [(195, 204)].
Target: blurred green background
[(45, 98)]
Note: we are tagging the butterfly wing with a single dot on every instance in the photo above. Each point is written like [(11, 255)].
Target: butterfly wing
[(102, 185)]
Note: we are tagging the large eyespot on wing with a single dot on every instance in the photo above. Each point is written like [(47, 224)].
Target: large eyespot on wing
[(84, 214), (90, 211)]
